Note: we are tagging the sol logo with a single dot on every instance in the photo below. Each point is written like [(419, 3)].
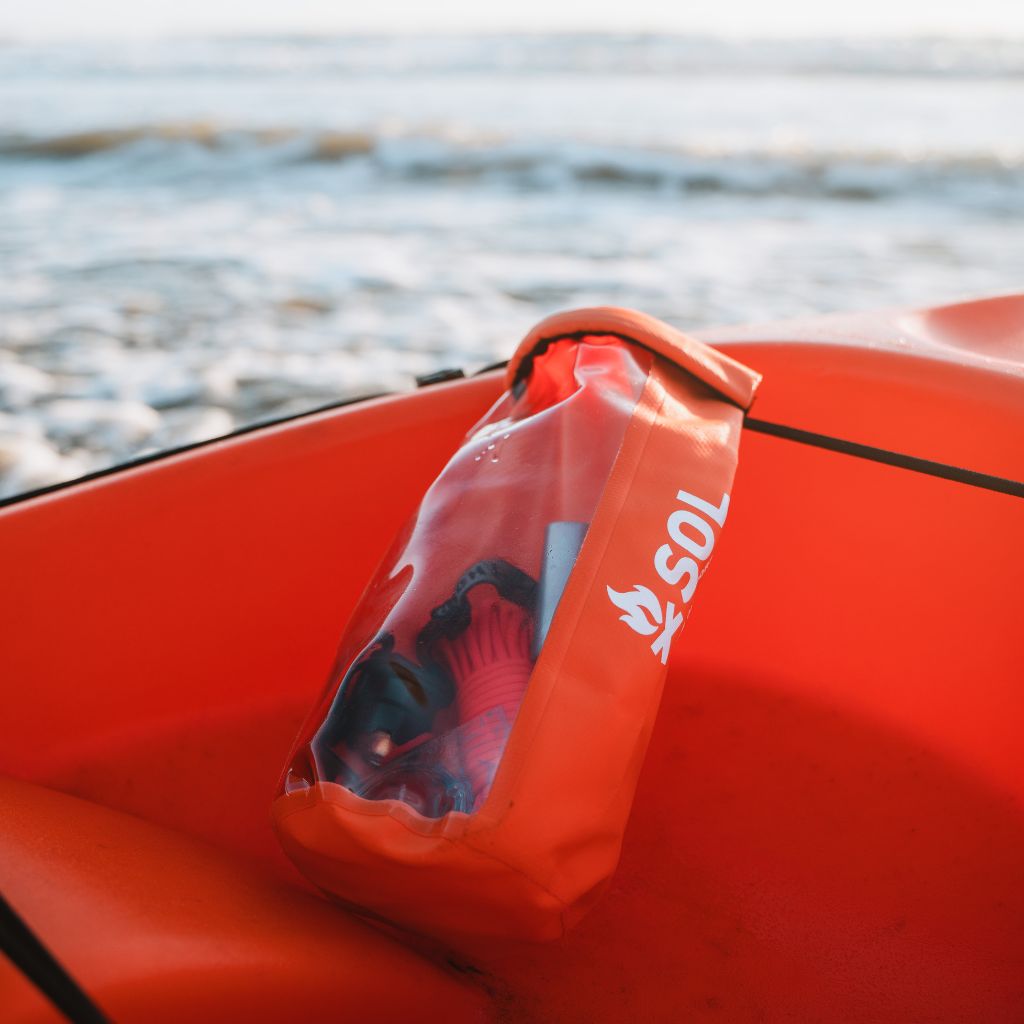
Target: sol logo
[(679, 564)]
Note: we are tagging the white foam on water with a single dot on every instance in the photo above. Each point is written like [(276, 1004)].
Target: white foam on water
[(199, 235)]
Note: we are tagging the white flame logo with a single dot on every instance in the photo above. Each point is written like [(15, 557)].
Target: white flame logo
[(644, 612), (640, 606)]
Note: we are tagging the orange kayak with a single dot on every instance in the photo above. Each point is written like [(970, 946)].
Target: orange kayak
[(829, 825)]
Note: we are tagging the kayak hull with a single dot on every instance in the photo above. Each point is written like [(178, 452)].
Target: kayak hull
[(829, 823)]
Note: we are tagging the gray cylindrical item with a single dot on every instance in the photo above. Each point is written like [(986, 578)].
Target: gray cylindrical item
[(562, 543)]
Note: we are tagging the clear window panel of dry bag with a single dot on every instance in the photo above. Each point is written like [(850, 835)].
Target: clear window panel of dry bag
[(437, 658)]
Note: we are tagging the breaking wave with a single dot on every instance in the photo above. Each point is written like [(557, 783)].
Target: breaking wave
[(198, 134), (543, 164)]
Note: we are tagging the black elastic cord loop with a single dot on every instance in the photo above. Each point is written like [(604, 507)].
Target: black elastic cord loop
[(24, 949), (938, 469), (167, 453), (971, 477)]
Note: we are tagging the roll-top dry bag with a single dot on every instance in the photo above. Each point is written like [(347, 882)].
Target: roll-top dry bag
[(471, 768)]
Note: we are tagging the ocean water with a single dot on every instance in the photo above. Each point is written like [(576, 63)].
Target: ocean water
[(200, 234)]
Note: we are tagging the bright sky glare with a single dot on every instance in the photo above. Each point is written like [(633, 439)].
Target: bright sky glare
[(78, 18)]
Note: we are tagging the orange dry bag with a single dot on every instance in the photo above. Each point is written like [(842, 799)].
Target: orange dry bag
[(471, 769)]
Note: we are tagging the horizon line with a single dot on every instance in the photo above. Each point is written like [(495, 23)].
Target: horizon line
[(1016, 37)]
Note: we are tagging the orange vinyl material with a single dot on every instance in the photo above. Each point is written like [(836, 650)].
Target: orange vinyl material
[(539, 852), (829, 822), (725, 375)]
